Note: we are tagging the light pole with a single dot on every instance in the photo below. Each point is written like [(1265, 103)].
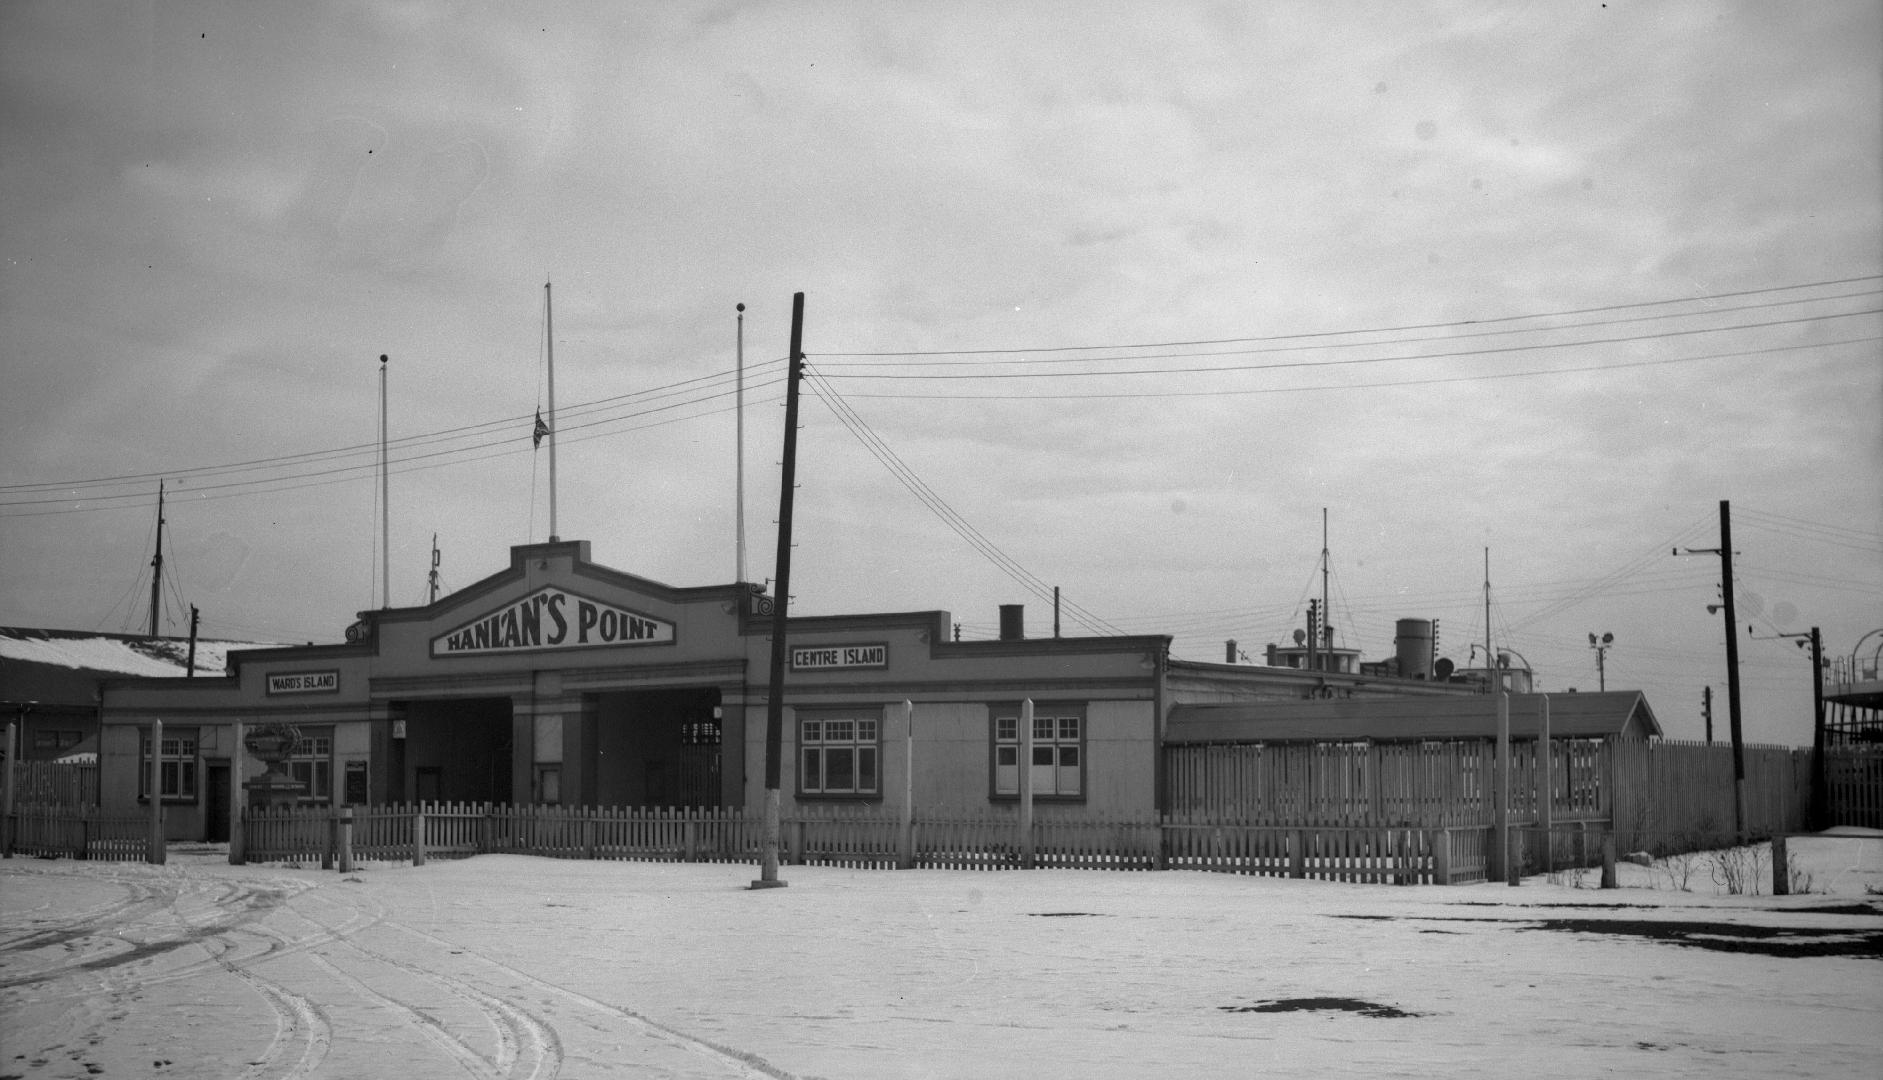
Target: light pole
[(1601, 656), (1816, 643)]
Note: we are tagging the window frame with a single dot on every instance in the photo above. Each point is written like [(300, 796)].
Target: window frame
[(179, 770), (314, 751), (867, 747), (1057, 713)]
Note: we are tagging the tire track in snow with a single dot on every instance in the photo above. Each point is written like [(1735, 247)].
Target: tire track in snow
[(744, 1063), (528, 1045), (298, 1021)]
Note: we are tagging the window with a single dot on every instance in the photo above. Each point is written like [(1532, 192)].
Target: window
[(1058, 751), (176, 765), (312, 766), (54, 739), (837, 755)]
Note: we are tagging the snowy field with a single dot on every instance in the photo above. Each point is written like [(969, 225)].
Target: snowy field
[(510, 966)]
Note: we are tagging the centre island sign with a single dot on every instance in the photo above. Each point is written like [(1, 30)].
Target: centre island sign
[(552, 618)]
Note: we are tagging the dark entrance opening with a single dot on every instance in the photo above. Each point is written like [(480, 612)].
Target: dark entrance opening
[(216, 802), (658, 748), (458, 751)]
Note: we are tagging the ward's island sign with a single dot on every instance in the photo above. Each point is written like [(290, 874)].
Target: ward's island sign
[(551, 618)]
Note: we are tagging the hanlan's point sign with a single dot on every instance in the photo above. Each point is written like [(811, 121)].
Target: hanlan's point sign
[(551, 618)]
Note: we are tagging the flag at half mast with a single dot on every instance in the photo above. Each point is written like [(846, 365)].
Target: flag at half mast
[(542, 429)]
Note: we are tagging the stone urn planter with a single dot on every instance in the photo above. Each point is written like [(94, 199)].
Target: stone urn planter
[(272, 745)]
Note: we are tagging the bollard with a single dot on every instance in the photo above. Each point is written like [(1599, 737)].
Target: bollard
[(346, 840), (1781, 868)]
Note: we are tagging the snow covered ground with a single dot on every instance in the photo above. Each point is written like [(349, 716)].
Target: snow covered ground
[(510, 966)]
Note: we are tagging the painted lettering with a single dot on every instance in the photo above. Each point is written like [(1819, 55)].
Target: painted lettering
[(554, 604), (532, 612), (586, 615)]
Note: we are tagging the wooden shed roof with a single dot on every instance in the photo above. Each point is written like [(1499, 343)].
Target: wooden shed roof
[(1572, 716)]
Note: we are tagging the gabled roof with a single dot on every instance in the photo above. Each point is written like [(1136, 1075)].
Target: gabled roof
[(1572, 716)]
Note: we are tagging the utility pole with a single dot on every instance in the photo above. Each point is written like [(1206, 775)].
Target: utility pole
[(432, 578), (1732, 669), (1820, 802), (1725, 552), (1706, 711), (156, 566), (775, 702)]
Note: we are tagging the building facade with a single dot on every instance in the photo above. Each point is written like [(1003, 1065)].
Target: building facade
[(559, 681)]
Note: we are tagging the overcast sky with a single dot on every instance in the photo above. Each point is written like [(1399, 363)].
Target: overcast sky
[(1130, 293)]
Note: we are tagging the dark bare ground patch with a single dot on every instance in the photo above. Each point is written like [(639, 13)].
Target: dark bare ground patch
[(1787, 942), (1322, 1004), (1065, 915)]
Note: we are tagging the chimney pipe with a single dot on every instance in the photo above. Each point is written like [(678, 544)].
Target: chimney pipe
[(1012, 622), (1229, 651)]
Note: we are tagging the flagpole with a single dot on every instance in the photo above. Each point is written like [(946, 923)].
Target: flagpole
[(549, 331), (739, 410), (385, 499)]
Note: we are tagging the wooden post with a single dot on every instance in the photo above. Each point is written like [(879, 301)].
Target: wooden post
[(1026, 784), (6, 789), (332, 845), (238, 841), (418, 834), (1298, 854), (1781, 875), (1441, 856), (346, 839), (154, 851), (907, 859), (1545, 787), (1608, 861), (1503, 866)]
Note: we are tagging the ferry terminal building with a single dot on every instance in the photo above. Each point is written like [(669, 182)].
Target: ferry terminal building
[(560, 681)]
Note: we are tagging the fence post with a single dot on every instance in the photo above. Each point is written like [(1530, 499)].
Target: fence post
[(794, 852), (153, 849), (418, 834), (1545, 788), (346, 840), (1608, 860), (907, 856), (238, 840), (1298, 854), (1026, 784), (1781, 877), (6, 791), (333, 839), (1441, 856)]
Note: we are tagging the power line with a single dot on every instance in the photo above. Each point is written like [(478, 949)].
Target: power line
[(1454, 354), (1434, 381), (916, 486), (1374, 330)]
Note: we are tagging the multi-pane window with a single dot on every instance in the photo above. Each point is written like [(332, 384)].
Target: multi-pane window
[(53, 739), (838, 756), (176, 765), (312, 766), (1058, 752)]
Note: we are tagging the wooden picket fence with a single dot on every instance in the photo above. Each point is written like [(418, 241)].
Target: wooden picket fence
[(57, 831), (866, 837), (1662, 789)]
